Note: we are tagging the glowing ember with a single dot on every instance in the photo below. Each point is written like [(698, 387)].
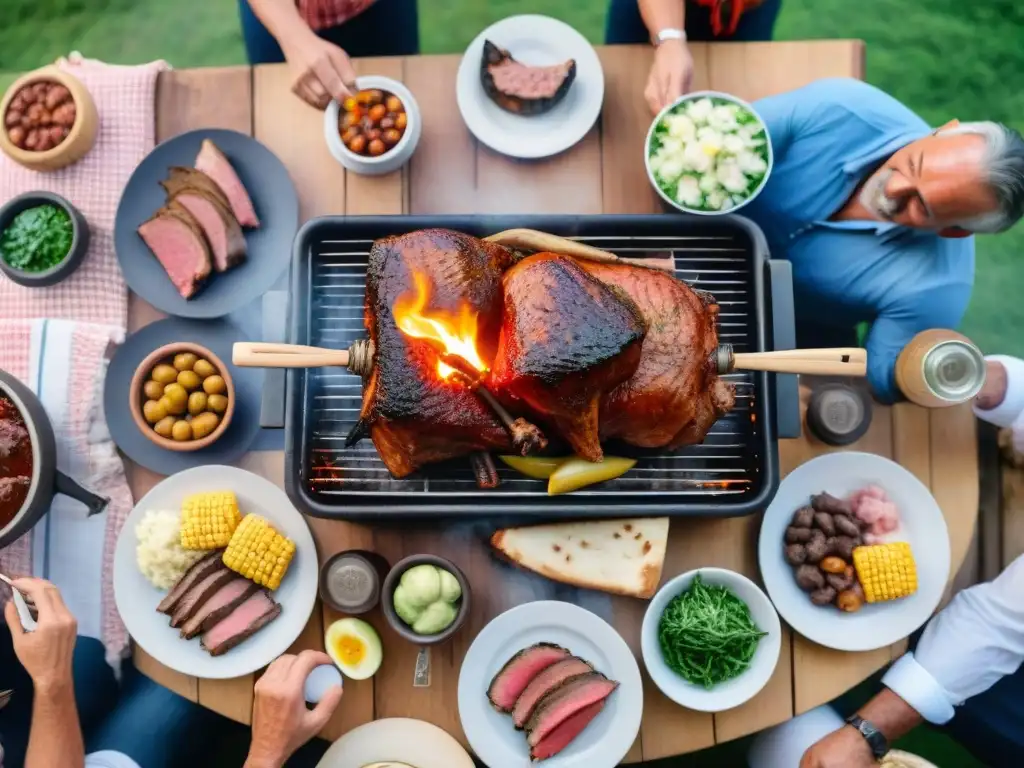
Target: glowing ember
[(452, 332)]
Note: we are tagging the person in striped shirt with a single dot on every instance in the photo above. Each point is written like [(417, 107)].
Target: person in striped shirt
[(317, 38)]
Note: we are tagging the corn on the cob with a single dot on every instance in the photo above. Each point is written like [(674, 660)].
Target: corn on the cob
[(258, 552), (886, 571), (209, 519)]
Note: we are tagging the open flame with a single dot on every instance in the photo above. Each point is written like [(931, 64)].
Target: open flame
[(452, 333)]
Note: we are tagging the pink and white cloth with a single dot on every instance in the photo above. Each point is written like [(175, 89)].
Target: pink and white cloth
[(57, 341)]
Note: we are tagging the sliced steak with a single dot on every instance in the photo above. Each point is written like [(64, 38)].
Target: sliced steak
[(214, 164), (519, 671), (564, 734), (178, 242), (521, 89), (221, 603), (566, 700), (197, 193), (546, 681), (199, 594), (246, 620), (199, 570)]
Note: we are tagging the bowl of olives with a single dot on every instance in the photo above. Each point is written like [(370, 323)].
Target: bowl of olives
[(182, 397)]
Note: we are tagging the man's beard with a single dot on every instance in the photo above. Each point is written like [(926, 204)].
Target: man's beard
[(873, 197)]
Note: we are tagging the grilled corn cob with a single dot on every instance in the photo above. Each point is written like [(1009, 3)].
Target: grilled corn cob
[(886, 571), (258, 552), (209, 519)]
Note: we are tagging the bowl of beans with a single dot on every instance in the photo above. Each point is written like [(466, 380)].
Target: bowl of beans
[(49, 120), (376, 130)]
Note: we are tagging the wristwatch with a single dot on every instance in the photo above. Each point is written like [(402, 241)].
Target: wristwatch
[(875, 738), (668, 34)]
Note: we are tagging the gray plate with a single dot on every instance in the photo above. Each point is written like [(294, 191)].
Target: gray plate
[(219, 337), (269, 247)]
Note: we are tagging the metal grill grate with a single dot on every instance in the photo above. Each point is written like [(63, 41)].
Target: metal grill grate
[(726, 467)]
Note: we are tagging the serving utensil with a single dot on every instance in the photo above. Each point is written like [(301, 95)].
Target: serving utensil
[(26, 608)]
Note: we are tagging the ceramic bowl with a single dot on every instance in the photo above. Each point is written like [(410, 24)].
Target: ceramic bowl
[(395, 157), (136, 397), (388, 595), (733, 692), (696, 95), (79, 239), (78, 141)]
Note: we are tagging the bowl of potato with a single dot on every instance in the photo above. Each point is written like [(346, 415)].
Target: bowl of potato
[(182, 397)]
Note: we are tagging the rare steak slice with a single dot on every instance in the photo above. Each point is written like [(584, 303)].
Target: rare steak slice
[(178, 242), (197, 193), (199, 594), (566, 340), (566, 700), (198, 570), (564, 734), (542, 684), (248, 618), (221, 603), (519, 672), (214, 164), (522, 89)]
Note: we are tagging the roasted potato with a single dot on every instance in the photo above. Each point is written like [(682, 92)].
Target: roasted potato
[(197, 403), (164, 373), (154, 411), (153, 390), (189, 380), (204, 424), (185, 361), (182, 431), (217, 403), (204, 368), (215, 385), (165, 427)]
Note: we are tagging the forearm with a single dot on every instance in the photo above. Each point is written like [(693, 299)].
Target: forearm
[(280, 17), (891, 715), (55, 737), (662, 14)]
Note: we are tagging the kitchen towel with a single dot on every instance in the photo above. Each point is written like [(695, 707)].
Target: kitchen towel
[(57, 340)]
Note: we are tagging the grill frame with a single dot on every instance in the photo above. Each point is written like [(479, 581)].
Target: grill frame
[(413, 497)]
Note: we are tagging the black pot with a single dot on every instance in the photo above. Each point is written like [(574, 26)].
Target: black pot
[(47, 480)]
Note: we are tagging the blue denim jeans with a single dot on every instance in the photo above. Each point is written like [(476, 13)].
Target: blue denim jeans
[(624, 24), (386, 28)]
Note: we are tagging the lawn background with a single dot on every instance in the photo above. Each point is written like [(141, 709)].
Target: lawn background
[(943, 58)]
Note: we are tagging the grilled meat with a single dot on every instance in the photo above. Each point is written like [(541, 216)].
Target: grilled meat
[(572, 696), (198, 571), (214, 164), (519, 671), (198, 594), (413, 416), (521, 89), (248, 618), (200, 196), (566, 340), (675, 395), (178, 242), (563, 735), (221, 603), (544, 683)]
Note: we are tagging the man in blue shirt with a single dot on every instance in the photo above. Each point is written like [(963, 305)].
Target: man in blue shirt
[(874, 209)]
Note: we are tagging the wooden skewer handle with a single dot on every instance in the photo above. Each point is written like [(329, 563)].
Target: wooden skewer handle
[(849, 361), (533, 240), (259, 354)]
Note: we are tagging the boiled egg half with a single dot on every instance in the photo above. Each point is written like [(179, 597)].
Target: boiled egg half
[(355, 647)]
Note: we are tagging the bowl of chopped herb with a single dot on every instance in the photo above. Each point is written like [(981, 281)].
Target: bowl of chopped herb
[(711, 639), (43, 239)]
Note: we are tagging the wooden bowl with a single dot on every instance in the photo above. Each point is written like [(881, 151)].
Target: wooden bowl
[(136, 397), (79, 140)]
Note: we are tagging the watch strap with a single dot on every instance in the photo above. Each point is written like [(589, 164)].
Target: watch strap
[(875, 738), (669, 33)]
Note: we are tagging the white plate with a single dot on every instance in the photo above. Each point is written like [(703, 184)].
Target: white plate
[(922, 525), (400, 739), (733, 692), (536, 41), (137, 599), (491, 734)]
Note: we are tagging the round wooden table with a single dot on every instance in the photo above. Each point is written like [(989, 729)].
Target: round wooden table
[(451, 173)]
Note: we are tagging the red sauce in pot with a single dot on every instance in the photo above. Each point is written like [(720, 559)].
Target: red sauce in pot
[(15, 461)]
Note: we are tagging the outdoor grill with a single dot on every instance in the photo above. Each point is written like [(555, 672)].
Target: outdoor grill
[(733, 472)]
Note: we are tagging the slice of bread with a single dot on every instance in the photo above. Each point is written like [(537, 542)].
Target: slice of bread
[(624, 557)]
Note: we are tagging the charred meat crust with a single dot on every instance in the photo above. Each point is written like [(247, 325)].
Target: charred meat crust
[(557, 653), (521, 89)]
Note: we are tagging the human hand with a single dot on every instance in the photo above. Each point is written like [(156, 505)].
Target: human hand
[(320, 70), (46, 652), (993, 392), (280, 721), (671, 74), (843, 748)]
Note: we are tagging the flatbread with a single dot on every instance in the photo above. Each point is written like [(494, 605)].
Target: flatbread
[(624, 557)]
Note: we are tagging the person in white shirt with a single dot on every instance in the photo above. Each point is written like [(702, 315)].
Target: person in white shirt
[(966, 669)]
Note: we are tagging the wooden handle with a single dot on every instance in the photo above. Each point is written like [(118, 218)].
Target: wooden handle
[(259, 354), (842, 361), (532, 240)]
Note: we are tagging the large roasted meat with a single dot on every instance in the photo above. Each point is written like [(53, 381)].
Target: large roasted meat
[(566, 340), (675, 395), (413, 415)]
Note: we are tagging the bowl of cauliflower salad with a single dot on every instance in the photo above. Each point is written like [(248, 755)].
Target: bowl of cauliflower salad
[(708, 153)]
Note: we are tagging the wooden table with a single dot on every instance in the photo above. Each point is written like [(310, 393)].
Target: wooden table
[(451, 173)]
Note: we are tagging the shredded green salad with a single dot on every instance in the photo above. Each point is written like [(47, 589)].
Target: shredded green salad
[(709, 154), (707, 635)]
